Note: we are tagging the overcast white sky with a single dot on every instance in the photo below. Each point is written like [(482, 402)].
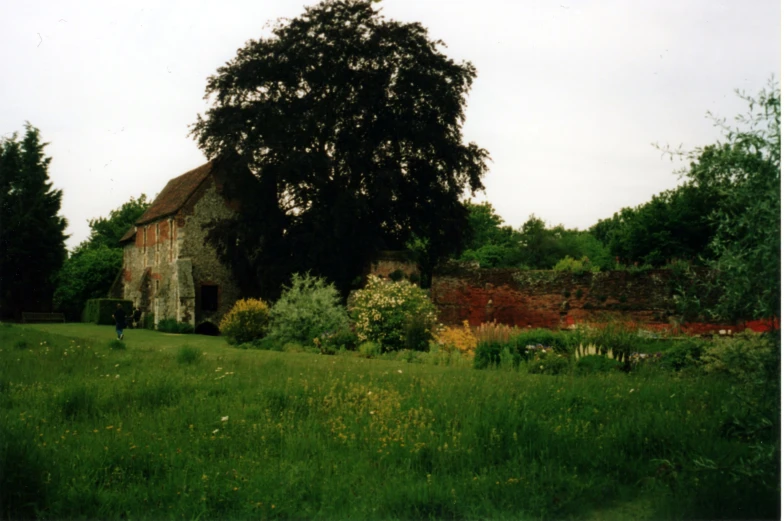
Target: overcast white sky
[(570, 94)]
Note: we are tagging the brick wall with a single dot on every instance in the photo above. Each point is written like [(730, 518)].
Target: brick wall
[(553, 299)]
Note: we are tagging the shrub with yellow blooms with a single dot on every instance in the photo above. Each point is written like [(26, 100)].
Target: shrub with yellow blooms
[(247, 321), (460, 339)]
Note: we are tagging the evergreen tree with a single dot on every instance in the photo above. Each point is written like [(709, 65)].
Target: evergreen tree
[(32, 234)]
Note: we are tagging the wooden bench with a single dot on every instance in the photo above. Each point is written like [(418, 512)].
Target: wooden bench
[(42, 317)]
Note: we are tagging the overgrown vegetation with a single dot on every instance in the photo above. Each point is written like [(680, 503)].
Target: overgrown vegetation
[(86, 431)]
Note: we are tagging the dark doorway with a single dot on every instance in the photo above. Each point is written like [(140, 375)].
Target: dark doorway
[(209, 298), (207, 328)]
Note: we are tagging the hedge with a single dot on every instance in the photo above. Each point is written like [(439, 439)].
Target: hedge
[(100, 310)]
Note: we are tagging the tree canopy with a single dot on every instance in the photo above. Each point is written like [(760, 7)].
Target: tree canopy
[(674, 225), (351, 124), (745, 170)]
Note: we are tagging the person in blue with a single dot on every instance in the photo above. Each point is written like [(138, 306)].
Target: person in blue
[(119, 321)]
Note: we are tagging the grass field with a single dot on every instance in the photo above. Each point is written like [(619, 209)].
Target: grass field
[(186, 427)]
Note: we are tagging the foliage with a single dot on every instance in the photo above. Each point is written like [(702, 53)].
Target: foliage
[(189, 355), (92, 267), (547, 361), (460, 339), (575, 266), (543, 247), (170, 325), (32, 234), (593, 364), (107, 231), (745, 170), (683, 355), (369, 349), (306, 310), (674, 224), (246, 321), (743, 356), (101, 310), (344, 338), (541, 448), (491, 244), (418, 332), (383, 311), (352, 125), (87, 274), (494, 332)]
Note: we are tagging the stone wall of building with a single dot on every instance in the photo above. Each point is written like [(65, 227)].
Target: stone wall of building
[(207, 270), (168, 263), (148, 268)]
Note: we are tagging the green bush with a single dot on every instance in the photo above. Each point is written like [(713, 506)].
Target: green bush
[(369, 349), (100, 310), (418, 331), (397, 275), (246, 321), (548, 362), (743, 357), (592, 364), (683, 355), (306, 310), (383, 310), (170, 325), (343, 338), (575, 266), (491, 354), (149, 321), (188, 355)]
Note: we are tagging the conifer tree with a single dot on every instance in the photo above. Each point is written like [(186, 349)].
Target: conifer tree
[(32, 234)]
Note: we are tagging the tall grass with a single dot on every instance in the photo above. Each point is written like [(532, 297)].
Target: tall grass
[(91, 432)]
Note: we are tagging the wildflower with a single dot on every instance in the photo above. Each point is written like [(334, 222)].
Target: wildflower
[(224, 418), (400, 371), (631, 391), (215, 431)]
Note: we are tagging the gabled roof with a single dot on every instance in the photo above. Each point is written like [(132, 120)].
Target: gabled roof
[(175, 194), (129, 235)]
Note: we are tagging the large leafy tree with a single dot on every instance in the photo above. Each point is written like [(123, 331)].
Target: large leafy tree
[(351, 124), (675, 224), (92, 267), (32, 234), (745, 169)]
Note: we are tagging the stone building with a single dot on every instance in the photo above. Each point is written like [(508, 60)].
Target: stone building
[(168, 270)]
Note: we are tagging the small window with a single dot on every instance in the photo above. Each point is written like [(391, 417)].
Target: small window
[(209, 298)]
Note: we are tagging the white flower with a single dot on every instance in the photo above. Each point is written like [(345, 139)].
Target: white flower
[(224, 418), (400, 371), (215, 431)]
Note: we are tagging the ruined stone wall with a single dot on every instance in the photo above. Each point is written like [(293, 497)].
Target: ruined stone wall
[(548, 298), (389, 262), (207, 268)]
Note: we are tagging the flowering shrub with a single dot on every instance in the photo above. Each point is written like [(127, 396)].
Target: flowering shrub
[(309, 309), (459, 339), (387, 313), (247, 321)]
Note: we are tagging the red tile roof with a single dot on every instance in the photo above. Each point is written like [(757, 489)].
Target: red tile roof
[(129, 235), (175, 194)]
